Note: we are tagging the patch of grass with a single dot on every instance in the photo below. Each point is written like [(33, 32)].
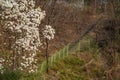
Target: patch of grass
[(69, 68), (97, 72)]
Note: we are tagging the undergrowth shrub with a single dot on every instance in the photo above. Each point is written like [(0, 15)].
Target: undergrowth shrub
[(10, 75)]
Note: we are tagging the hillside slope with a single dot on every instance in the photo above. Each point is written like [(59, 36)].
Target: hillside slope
[(68, 22)]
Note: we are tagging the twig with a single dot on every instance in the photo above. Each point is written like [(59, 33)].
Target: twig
[(91, 61)]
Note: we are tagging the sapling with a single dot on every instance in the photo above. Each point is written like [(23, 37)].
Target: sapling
[(48, 33)]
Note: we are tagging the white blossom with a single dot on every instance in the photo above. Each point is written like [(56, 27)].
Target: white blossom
[(48, 32), (22, 19)]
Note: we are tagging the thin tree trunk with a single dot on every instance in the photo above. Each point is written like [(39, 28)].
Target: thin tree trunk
[(95, 6), (51, 12), (47, 55)]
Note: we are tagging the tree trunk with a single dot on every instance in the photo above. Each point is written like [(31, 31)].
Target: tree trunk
[(47, 55), (95, 6)]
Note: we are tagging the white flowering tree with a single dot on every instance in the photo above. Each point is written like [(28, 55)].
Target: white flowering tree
[(48, 33), (22, 19)]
